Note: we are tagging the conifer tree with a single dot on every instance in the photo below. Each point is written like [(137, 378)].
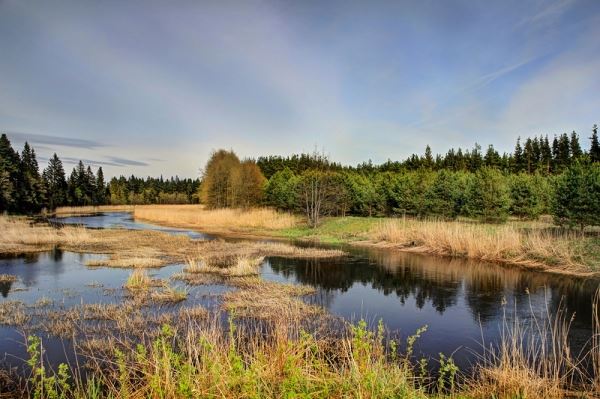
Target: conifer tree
[(428, 158), (55, 183), (100, 187), (10, 176), (31, 198), (595, 145), (488, 198), (574, 146), (518, 160), (577, 198)]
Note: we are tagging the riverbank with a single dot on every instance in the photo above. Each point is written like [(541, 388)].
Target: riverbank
[(534, 245)]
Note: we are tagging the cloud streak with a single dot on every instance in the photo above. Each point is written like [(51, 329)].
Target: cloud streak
[(60, 141)]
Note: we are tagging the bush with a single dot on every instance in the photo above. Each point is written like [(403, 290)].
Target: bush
[(488, 196)]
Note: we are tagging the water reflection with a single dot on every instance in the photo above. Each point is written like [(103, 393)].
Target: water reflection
[(459, 299)]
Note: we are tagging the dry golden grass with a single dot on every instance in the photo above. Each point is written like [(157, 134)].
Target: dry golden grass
[(236, 267), (261, 299), (19, 235), (87, 210), (220, 220), (138, 280), (13, 313), (7, 278), (498, 243), (169, 294), (533, 359)]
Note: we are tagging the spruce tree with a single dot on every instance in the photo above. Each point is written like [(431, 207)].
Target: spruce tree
[(545, 154), (574, 146), (55, 183), (518, 160), (595, 145), (9, 176), (100, 187), (32, 196), (428, 158), (492, 158)]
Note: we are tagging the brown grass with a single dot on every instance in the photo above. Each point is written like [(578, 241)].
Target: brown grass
[(7, 278), (13, 313), (196, 217), (169, 294), (261, 299), (533, 360), (139, 280), (236, 267), (88, 210), (499, 243), (21, 236)]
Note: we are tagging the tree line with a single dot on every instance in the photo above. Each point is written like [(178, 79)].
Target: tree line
[(538, 178), (533, 155), (23, 189)]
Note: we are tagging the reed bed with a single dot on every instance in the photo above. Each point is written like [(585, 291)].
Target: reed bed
[(196, 217), (551, 250)]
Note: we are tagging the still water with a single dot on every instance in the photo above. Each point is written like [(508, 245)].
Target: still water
[(463, 303)]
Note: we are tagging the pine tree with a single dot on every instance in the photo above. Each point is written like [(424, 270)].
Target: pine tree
[(545, 154), (9, 176), (518, 159), (528, 156), (100, 187), (55, 183), (31, 198), (574, 146), (428, 158), (492, 158), (555, 156), (90, 186), (595, 145)]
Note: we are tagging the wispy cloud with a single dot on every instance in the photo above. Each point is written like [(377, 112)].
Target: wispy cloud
[(127, 162), (34, 138)]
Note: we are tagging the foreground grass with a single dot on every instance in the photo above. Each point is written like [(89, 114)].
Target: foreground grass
[(198, 356)]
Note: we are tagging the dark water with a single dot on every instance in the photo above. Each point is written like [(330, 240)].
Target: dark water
[(463, 303)]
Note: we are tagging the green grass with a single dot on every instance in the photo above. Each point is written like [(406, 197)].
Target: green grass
[(333, 230)]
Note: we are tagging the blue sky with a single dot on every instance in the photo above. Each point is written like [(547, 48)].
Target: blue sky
[(152, 87)]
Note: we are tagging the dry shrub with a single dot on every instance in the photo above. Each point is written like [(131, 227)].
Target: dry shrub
[(195, 216)]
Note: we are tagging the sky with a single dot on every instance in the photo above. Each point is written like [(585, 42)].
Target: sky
[(152, 87)]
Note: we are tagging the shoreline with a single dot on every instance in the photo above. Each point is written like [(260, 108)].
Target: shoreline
[(422, 250)]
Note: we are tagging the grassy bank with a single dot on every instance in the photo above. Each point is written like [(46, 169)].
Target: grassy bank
[(527, 244)]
